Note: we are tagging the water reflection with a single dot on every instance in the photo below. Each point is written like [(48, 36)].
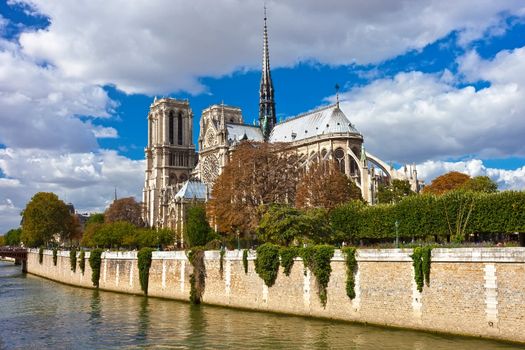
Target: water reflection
[(37, 313)]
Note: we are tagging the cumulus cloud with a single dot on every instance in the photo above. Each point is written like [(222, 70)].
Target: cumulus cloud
[(164, 46), (416, 116), (87, 180), (506, 179)]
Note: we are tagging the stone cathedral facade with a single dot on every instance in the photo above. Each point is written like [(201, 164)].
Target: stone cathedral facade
[(176, 177)]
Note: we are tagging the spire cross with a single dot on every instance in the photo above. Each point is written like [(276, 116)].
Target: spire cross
[(337, 93)]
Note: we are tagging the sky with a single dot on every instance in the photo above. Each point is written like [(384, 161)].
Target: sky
[(435, 83)]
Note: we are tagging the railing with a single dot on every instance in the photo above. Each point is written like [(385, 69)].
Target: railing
[(13, 252)]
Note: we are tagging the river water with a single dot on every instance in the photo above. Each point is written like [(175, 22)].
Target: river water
[(40, 314)]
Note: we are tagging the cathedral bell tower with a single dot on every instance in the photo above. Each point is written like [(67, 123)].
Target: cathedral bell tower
[(170, 156), (267, 117)]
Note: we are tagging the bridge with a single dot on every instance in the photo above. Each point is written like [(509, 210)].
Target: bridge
[(17, 253)]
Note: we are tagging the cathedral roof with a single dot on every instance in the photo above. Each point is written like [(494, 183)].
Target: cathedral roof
[(323, 121), (192, 190), (238, 132)]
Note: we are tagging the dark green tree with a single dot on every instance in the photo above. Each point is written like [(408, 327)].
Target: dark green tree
[(197, 230), (394, 192), (283, 225), (44, 217), (12, 237)]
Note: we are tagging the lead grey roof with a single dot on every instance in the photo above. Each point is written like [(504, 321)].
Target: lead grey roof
[(326, 120), (237, 132), (192, 190)]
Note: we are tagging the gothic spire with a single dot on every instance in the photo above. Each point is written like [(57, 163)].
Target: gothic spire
[(267, 118)]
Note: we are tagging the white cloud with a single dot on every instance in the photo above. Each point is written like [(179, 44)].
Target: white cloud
[(163, 46), (87, 180), (415, 116), (506, 179)]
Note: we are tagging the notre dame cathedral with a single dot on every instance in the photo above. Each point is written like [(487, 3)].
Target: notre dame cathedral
[(177, 176)]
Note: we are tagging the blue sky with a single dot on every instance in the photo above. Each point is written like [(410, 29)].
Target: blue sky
[(438, 85)]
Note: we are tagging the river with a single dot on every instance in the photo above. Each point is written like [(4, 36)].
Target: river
[(36, 313)]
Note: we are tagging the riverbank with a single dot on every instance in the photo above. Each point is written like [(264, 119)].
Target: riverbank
[(473, 291)]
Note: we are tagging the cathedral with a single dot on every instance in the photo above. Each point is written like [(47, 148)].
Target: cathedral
[(176, 176)]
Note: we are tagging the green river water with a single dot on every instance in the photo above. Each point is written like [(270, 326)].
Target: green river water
[(36, 313)]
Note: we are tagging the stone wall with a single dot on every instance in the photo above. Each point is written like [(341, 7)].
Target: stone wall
[(473, 291)]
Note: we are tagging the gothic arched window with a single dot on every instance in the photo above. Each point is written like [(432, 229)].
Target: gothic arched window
[(170, 128), (179, 127)]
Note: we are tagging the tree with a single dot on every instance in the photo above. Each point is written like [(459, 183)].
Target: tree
[(2, 241), (113, 235), (197, 229), (481, 184), (45, 216), (344, 220), (324, 186), (97, 218), (12, 237), (257, 174), (282, 225), (447, 182), (124, 209), (394, 192)]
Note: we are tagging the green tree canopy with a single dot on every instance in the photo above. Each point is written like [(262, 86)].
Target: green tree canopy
[(97, 218), (282, 224), (45, 216), (197, 230), (12, 237), (481, 184), (394, 192)]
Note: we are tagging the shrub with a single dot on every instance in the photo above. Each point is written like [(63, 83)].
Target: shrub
[(318, 259), (288, 254), (144, 264), (421, 263), (55, 256), (82, 261), (198, 276), (73, 259), (245, 260), (94, 262), (221, 261), (351, 269), (40, 255), (267, 263)]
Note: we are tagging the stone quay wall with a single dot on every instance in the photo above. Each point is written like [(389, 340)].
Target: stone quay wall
[(473, 291)]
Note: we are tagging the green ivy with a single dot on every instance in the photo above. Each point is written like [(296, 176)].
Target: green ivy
[(73, 259), (198, 276), (318, 259), (94, 262), (351, 269), (55, 256), (82, 261), (421, 263), (288, 254), (221, 262), (245, 260), (144, 263), (41, 255), (267, 263)]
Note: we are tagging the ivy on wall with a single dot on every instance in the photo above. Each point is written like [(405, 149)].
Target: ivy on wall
[(221, 261), (82, 261), (73, 259), (41, 255), (317, 259), (245, 260), (288, 254), (421, 263), (144, 264), (351, 269), (94, 262), (267, 263), (198, 276), (55, 256)]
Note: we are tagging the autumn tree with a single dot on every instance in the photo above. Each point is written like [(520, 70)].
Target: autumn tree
[(44, 217), (324, 186), (124, 209), (446, 182), (394, 191), (257, 174)]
